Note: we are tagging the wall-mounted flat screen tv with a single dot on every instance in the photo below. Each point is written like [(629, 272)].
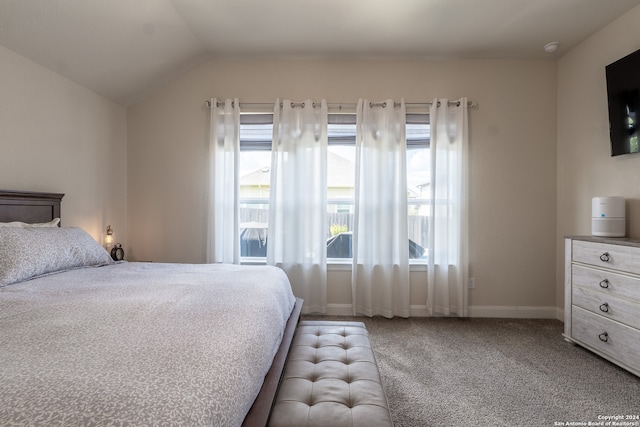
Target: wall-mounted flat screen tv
[(623, 93)]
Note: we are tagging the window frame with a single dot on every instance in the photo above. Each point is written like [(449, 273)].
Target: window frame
[(349, 118)]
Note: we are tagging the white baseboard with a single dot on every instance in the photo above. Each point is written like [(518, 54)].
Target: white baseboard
[(419, 311), (514, 312), (507, 312), (347, 310), (339, 310)]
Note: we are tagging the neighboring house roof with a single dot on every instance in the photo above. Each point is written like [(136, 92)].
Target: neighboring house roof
[(257, 178), (412, 193), (340, 173)]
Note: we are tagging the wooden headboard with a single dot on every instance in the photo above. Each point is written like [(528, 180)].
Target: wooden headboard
[(29, 206)]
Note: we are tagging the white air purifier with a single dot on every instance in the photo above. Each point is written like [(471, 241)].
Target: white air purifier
[(608, 217)]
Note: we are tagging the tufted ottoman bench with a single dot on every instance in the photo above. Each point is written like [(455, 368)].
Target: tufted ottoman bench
[(331, 379)]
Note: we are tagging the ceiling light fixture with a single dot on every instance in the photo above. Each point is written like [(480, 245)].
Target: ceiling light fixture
[(551, 47)]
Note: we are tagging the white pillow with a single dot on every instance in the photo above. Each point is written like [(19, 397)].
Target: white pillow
[(18, 224), (26, 253)]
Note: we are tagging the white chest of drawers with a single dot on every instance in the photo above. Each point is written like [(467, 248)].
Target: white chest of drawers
[(602, 298)]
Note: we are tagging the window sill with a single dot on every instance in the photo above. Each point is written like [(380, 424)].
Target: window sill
[(337, 264)]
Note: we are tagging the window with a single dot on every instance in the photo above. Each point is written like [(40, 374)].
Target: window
[(341, 173), (256, 131), (418, 178)]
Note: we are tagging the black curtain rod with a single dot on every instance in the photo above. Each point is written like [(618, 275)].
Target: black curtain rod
[(340, 106)]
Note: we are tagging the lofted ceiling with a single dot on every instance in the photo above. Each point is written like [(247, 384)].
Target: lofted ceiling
[(124, 49)]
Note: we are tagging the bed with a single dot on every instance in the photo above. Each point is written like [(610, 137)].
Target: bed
[(89, 341)]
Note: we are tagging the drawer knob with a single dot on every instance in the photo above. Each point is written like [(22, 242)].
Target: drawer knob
[(604, 284), (605, 257), (604, 337), (604, 307)]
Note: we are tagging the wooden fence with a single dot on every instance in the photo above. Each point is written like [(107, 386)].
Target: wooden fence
[(417, 224)]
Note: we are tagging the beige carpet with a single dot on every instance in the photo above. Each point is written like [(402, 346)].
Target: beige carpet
[(494, 372)]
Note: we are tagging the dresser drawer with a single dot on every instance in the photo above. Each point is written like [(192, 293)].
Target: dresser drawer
[(606, 282), (611, 307), (616, 257), (607, 336)]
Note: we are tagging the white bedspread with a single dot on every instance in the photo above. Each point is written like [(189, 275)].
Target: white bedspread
[(139, 344)]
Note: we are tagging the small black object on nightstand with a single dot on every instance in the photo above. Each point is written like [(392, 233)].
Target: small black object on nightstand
[(117, 253)]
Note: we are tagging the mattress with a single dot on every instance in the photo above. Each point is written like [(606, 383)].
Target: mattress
[(139, 344)]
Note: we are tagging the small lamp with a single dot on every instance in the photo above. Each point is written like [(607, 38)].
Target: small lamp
[(108, 238)]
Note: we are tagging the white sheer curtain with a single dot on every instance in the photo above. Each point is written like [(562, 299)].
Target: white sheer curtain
[(297, 240), (448, 239), (380, 282), (223, 240)]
